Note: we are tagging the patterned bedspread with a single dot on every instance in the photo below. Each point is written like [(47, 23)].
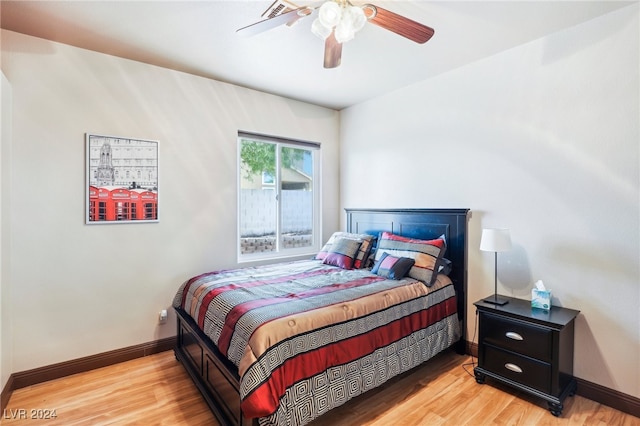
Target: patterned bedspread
[(307, 337)]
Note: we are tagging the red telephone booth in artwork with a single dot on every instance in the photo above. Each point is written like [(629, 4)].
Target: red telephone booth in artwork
[(136, 205), (98, 199), (119, 205), (149, 201)]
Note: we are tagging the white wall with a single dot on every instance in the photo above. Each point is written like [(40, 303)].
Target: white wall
[(542, 139), (5, 289), (79, 289)]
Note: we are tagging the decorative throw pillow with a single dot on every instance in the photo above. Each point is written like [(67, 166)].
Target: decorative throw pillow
[(342, 253), (425, 253), (392, 267), (363, 252)]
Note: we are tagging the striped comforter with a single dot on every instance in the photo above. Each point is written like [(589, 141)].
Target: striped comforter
[(307, 337)]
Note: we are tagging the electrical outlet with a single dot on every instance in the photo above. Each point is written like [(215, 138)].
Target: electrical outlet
[(163, 316)]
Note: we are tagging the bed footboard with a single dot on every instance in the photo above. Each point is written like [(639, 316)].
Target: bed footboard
[(216, 378)]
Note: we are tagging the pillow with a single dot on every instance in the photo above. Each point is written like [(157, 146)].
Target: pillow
[(363, 254), (395, 268), (425, 253), (342, 253), (374, 246)]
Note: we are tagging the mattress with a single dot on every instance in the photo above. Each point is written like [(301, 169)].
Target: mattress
[(307, 337)]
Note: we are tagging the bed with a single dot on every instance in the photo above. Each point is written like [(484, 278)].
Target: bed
[(285, 343)]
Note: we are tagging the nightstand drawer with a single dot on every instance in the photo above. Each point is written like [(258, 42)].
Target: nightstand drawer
[(516, 336), (520, 369)]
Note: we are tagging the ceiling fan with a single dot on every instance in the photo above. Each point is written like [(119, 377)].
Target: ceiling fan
[(337, 22)]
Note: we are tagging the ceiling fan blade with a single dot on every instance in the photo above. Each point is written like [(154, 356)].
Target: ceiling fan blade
[(332, 51), (398, 24), (284, 18)]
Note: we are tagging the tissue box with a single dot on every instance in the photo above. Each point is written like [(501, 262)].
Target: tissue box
[(541, 299)]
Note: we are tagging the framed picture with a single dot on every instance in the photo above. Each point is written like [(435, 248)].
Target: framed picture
[(121, 180)]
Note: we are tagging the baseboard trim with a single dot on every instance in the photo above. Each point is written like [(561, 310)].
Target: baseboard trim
[(609, 397), (600, 394), (55, 371), (6, 393), (472, 349)]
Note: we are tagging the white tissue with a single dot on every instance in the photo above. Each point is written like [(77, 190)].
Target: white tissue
[(540, 296)]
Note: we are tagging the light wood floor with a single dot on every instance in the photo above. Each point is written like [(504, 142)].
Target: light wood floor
[(156, 390)]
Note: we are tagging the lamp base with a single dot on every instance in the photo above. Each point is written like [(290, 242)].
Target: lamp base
[(496, 300)]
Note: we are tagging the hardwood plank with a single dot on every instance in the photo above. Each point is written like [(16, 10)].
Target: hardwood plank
[(153, 390), (156, 390)]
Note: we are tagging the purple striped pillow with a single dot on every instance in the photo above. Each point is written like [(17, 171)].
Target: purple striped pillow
[(343, 253), (392, 267), (363, 252)]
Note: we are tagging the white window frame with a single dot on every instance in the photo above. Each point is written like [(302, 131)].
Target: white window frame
[(280, 252)]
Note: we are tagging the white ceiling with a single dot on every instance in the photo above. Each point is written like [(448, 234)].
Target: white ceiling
[(199, 37)]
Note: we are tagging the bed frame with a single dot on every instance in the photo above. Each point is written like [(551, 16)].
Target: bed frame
[(217, 378)]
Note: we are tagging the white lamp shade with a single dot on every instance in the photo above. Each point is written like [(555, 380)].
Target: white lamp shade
[(330, 14), (320, 30), (356, 17), (344, 31), (495, 240)]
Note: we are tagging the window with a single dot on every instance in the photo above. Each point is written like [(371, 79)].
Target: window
[(278, 197)]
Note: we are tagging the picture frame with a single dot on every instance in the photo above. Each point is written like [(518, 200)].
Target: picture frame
[(122, 180)]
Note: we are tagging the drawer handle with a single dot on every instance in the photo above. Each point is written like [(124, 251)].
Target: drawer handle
[(513, 335), (513, 367)]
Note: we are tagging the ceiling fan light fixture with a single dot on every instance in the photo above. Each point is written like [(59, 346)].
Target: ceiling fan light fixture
[(356, 17), (344, 31), (342, 17), (330, 14), (320, 30), (352, 21)]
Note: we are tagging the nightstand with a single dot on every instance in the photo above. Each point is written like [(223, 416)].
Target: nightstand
[(528, 349)]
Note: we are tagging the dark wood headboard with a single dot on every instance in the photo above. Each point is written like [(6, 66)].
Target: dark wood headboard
[(424, 224)]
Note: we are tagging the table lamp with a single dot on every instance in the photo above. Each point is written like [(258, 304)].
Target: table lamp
[(495, 240)]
